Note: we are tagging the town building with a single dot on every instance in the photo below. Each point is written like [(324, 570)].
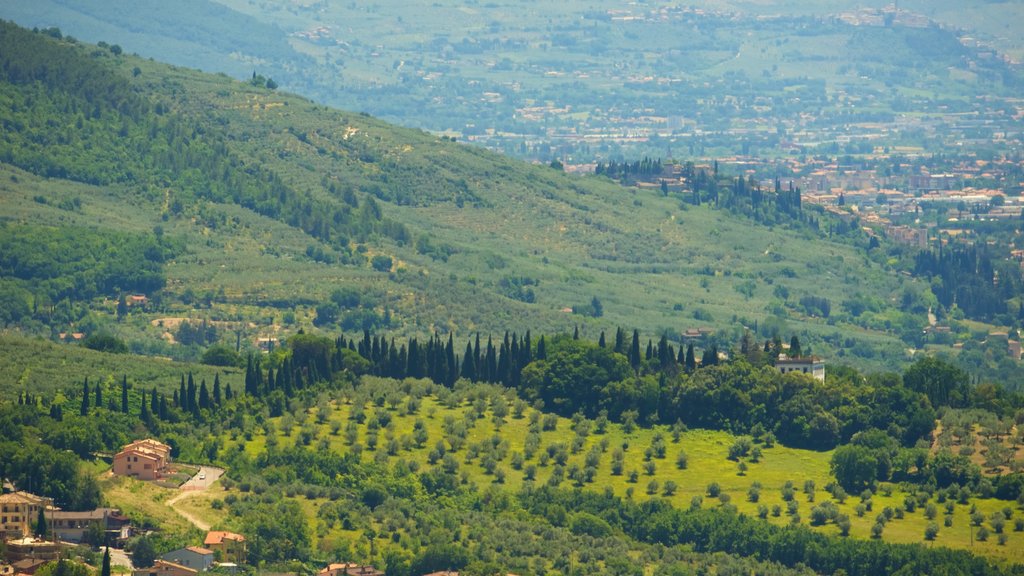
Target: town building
[(227, 546), (19, 512), (143, 459), (809, 365), (73, 527), (31, 549), (193, 557), (165, 568)]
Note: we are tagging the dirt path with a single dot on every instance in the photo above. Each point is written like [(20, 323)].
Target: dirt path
[(202, 480), (195, 521)]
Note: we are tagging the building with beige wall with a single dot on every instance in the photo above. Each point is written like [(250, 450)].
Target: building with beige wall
[(143, 459)]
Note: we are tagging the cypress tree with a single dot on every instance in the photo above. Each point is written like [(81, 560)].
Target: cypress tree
[(228, 394), (162, 408), (468, 364), (576, 332), (154, 405), (634, 351), (99, 396), (182, 395), (453, 363), (124, 394), (204, 395), (216, 388), (691, 360), (190, 399), (794, 347), (41, 530), (600, 341), (542, 349), (620, 341), (105, 567), (84, 410), (249, 380), (144, 411)]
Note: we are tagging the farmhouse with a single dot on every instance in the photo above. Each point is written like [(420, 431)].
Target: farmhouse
[(143, 459), (809, 365), (228, 546)]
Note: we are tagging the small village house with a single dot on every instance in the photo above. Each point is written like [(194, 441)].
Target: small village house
[(809, 365), (165, 568), (143, 459), (194, 557), (349, 569), (227, 546)]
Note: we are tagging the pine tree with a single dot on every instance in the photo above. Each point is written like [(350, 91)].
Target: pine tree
[(124, 394)]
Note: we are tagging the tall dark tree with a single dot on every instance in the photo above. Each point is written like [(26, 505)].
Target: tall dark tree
[(216, 389), (794, 347), (84, 410), (691, 359), (204, 396), (105, 566), (124, 394), (99, 395), (634, 351), (41, 530), (469, 364)]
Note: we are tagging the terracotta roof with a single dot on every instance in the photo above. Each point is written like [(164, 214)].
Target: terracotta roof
[(218, 537)]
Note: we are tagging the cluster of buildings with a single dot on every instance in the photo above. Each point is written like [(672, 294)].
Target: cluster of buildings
[(27, 546), (225, 549)]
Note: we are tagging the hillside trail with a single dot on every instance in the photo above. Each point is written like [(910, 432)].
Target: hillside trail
[(192, 519), (200, 482)]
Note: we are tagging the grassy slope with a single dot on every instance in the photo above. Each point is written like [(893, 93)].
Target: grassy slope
[(647, 257), (707, 463), (636, 251)]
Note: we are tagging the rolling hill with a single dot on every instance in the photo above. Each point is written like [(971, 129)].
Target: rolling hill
[(264, 206)]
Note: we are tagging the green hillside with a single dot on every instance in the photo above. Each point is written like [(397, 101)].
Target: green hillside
[(263, 205)]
